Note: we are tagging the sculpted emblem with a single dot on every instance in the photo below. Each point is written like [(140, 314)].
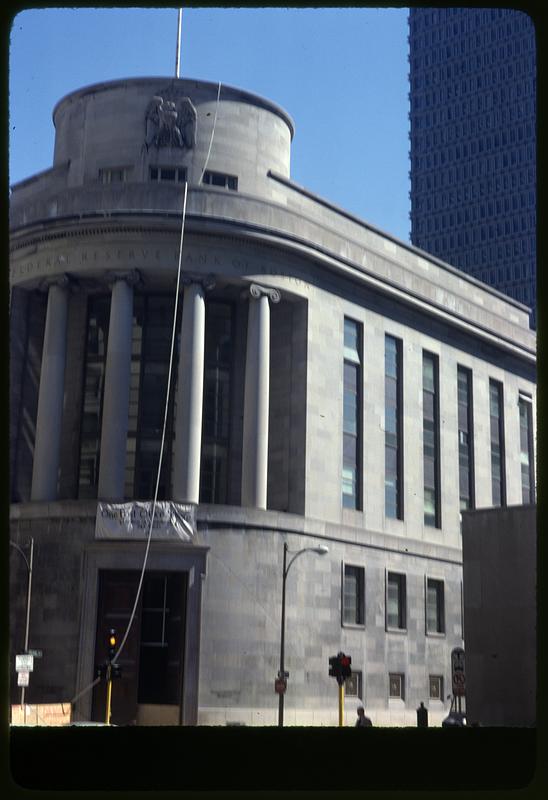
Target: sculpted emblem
[(170, 121)]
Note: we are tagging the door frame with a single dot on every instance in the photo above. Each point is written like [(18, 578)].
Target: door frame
[(165, 557)]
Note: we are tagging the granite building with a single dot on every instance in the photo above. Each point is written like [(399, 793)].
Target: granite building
[(472, 97), (331, 386)]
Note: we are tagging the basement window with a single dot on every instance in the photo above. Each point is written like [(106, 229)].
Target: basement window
[(220, 179)]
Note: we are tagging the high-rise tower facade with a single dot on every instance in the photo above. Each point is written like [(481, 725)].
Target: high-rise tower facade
[(473, 138)]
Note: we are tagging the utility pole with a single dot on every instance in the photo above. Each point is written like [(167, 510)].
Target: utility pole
[(178, 47), (28, 562)]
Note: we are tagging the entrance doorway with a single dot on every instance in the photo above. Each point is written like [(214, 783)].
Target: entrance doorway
[(150, 687)]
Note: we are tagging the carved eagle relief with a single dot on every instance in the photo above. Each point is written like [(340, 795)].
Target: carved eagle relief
[(170, 121)]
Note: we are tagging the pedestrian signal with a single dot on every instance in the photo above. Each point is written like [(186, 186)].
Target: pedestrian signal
[(345, 662)]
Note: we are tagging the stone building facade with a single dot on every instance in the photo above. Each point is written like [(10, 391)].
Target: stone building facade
[(331, 385)]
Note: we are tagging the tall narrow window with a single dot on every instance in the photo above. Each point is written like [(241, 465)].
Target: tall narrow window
[(466, 438), (393, 450), (430, 429), (351, 476), (94, 382), (216, 405), (526, 449), (396, 611), (498, 478), (353, 594), (435, 606), (153, 320)]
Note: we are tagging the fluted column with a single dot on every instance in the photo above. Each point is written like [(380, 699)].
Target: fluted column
[(114, 423), (256, 397), (47, 444), (190, 390)]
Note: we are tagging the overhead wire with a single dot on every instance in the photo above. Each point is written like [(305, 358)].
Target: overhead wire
[(166, 408)]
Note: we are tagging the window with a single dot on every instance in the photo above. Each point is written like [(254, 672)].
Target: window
[(396, 686), (393, 450), (466, 438), (352, 422), (498, 479), (161, 638), (396, 611), (216, 404), (220, 179), (430, 429), (113, 174), (353, 595), (435, 683), (94, 382), (152, 323), (168, 174), (353, 686), (435, 606), (526, 449)]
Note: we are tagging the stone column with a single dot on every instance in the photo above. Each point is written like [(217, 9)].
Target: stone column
[(190, 392), (256, 397), (47, 443), (114, 423)]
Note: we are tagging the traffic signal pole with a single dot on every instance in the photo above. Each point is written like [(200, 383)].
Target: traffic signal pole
[(341, 705), (109, 693)]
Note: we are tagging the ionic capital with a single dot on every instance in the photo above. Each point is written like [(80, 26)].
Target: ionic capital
[(207, 282), (256, 291), (63, 281), (132, 277)]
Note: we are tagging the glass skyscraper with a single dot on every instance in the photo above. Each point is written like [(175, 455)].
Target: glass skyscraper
[(473, 143)]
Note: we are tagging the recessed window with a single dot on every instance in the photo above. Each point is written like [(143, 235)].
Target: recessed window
[(435, 606), (498, 475), (113, 174), (353, 595), (526, 448), (393, 423), (353, 685), (431, 435), (396, 686), (352, 418), (466, 438), (221, 180), (435, 683), (168, 174), (396, 611)]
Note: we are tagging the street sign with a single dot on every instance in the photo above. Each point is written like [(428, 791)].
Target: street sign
[(280, 685), (35, 653), (24, 663), (23, 678), (458, 675)]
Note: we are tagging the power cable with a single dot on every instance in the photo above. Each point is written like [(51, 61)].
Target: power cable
[(173, 336)]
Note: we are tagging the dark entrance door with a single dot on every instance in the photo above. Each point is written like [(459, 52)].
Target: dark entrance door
[(152, 658)]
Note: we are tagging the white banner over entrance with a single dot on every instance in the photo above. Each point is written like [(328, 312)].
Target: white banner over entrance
[(132, 521)]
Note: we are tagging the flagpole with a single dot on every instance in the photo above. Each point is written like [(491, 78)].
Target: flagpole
[(178, 48)]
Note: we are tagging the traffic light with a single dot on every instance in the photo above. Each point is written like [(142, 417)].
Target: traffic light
[(339, 667), (345, 662), (334, 667), (111, 644)]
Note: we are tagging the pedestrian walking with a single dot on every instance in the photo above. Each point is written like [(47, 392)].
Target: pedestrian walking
[(363, 721)]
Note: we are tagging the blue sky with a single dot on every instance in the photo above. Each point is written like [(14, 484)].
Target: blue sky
[(341, 73)]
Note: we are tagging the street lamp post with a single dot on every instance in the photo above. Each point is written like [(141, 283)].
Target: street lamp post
[(28, 562), (321, 551)]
